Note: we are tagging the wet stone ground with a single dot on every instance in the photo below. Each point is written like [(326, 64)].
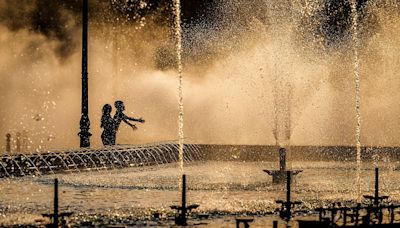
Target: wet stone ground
[(142, 196)]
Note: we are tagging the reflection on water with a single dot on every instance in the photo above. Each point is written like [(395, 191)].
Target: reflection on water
[(224, 187)]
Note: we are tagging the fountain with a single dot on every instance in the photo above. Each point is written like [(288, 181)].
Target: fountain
[(280, 176), (178, 36)]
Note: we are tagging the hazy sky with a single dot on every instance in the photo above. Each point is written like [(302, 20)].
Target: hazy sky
[(249, 67)]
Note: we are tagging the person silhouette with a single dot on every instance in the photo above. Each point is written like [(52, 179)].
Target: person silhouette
[(120, 116), (108, 124)]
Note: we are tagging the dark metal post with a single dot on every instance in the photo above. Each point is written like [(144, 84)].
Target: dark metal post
[(184, 209), (289, 203), (84, 134), (376, 199), (55, 213)]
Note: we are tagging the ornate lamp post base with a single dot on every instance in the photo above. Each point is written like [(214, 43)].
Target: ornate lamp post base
[(84, 134)]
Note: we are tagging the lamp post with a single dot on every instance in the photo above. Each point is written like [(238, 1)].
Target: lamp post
[(84, 123)]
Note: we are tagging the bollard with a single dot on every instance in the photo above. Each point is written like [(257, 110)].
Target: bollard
[(24, 141), (8, 143), (18, 143), (55, 213)]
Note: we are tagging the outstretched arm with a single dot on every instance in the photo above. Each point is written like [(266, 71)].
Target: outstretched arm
[(140, 120), (127, 122)]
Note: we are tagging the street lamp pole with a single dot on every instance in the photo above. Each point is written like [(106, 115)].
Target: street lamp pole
[(84, 123)]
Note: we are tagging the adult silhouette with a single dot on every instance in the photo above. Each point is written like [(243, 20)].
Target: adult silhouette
[(108, 124)]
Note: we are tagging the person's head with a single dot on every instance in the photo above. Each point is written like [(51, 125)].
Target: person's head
[(107, 109), (119, 105)]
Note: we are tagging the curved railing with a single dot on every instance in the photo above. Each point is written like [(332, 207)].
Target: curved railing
[(95, 159)]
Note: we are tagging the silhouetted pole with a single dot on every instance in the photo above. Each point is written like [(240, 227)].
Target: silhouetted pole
[(84, 134), (55, 213), (376, 186), (8, 143), (184, 210), (289, 203)]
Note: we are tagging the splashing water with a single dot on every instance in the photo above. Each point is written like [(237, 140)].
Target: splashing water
[(178, 36), (282, 90), (115, 54), (354, 14), (275, 113), (282, 128), (282, 85)]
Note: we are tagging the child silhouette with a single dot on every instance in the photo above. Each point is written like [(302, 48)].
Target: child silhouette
[(120, 116)]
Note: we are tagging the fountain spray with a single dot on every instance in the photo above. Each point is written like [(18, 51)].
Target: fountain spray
[(115, 60), (178, 36), (275, 114), (354, 28)]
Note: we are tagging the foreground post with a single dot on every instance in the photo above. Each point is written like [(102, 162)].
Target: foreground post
[(57, 218), (376, 198), (286, 206), (181, 218), (55, 213), (84, 123), (288, 202), (184, 209)]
